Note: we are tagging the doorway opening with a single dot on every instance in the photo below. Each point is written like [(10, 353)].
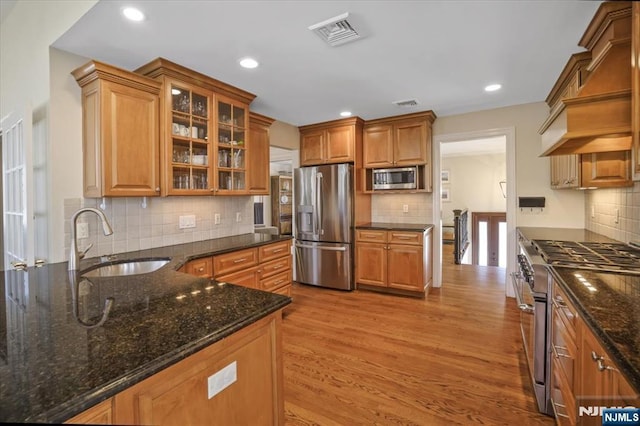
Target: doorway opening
[(482, 182), (489, 238)]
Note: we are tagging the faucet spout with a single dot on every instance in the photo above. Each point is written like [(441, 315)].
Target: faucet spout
[(74, 255)]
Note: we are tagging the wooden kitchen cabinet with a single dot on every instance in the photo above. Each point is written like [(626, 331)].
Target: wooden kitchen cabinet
[(100, 414), (565, 171), (249, 277), (399, 261), (600, 381), (635, 86), (234, 261), (330, 142), (181, 394), (205, 130), (120, 126), (258, 172), (606, 169), (398, 141)]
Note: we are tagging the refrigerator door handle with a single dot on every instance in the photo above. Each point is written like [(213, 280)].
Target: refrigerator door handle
[(321, 247), (319, 212)]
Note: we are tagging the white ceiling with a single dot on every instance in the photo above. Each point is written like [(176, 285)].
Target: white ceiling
[(442, 53)]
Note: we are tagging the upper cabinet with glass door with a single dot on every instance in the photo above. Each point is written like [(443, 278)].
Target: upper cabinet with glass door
[(233, 126), (205, 124), (191, 148)]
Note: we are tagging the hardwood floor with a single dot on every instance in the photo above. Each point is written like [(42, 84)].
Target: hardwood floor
[(454, 357)]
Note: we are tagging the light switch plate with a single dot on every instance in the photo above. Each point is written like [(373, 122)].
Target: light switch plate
[(219, 381), (216, 218), (187, 221), (405, 208), (238, 217)]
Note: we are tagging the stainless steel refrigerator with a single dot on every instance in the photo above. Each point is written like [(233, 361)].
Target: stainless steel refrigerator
[(323, 197)]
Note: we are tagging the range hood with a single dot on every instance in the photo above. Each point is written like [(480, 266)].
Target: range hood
[(598, 117)]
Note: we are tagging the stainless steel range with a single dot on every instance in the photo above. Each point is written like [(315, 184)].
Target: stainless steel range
[(533, 281)]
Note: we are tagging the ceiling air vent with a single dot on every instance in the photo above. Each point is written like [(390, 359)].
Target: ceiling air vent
[(406, 103), (336, 30)]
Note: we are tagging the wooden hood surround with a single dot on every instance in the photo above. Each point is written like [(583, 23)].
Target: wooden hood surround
[(598, 118)]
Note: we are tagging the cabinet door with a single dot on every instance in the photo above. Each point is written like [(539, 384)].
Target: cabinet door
[(258, 160), (130, 141), (101, 414), (233, 124), (607, 169), (371, 264), (182, 393), (189, 154), (377, 149), (234, 261), (312, 148), (340, 144), (246, 278), (565, 171), (405, 267), (411, 140)]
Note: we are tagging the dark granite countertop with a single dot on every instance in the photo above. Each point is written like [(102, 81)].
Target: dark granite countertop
[(54, 366), (612, 312), (414, 227), (561, 234)]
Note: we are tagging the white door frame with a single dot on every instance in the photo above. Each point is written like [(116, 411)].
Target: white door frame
[(510, 134)]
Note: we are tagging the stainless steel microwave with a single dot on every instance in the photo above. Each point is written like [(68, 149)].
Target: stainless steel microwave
[(397, 178)]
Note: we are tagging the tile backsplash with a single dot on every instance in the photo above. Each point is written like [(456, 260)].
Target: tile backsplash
[(389, 208), (136, 228), (603, 204)]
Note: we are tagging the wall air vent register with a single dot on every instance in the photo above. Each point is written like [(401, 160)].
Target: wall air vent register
[(336, 31)]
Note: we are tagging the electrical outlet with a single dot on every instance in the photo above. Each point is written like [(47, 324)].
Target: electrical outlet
[(219, 381), (187, 221), (405, 208), (82, 230), (593, 211), (216, 218), (617, 216), (238, 217)]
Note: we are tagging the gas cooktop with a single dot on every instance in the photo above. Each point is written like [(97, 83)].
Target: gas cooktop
[(606, 257)]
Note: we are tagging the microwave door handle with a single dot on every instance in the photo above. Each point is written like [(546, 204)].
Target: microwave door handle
[(319, 212)]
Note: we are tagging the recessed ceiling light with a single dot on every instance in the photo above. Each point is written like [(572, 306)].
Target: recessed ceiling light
[(248, 63), (345, 114), (493, 87), (133, 14)]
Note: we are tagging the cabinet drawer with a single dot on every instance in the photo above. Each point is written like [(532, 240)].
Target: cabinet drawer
[(276, 281), (562, 399), (566, 311), (274, 251), (563, 350), (275, 266), (413, 238), (284, 290), (202, 267), (371, 235), (230, 262), (245, 277)]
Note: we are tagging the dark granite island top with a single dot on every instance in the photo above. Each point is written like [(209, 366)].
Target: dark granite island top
[(54, 364), (413, 227), (561, 234), (612, 312)]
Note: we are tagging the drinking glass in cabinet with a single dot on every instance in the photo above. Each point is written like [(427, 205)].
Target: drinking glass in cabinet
[(199, 105), (180, 100), (238, 116), (224, 158), (181, 180), (238, 159)]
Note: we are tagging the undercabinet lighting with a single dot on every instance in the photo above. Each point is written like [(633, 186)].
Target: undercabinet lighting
[(175, 92), (248, 63), (493, 87), (133, 14), (345, 114)]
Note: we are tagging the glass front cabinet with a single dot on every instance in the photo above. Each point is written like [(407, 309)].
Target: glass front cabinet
[(232, 124), (190, 150)]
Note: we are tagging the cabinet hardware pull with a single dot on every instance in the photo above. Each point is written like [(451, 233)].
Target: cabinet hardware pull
[(157, 189), (558, 405), (277, 250), (526, 308), (277, 266), (558, 354), (278, 282), (20, 266), (201, 269), (240, 260)]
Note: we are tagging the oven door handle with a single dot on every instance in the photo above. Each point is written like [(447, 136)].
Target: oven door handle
[(524, 307)]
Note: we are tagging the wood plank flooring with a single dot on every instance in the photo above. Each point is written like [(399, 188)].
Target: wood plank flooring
[(363, 358)]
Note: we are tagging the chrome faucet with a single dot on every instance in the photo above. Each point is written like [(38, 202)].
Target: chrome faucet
[(74, 255)]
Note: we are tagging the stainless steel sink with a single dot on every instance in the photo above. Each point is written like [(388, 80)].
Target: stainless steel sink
[(132, 267)]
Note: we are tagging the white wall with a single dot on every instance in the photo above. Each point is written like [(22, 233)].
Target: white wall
[(564, 208), (474, 184)]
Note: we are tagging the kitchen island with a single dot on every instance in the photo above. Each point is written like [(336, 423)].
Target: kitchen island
[(56, 361)]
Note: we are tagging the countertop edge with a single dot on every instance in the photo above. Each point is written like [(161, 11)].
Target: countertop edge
[(414, 227), (70, 409), (630, 373)]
